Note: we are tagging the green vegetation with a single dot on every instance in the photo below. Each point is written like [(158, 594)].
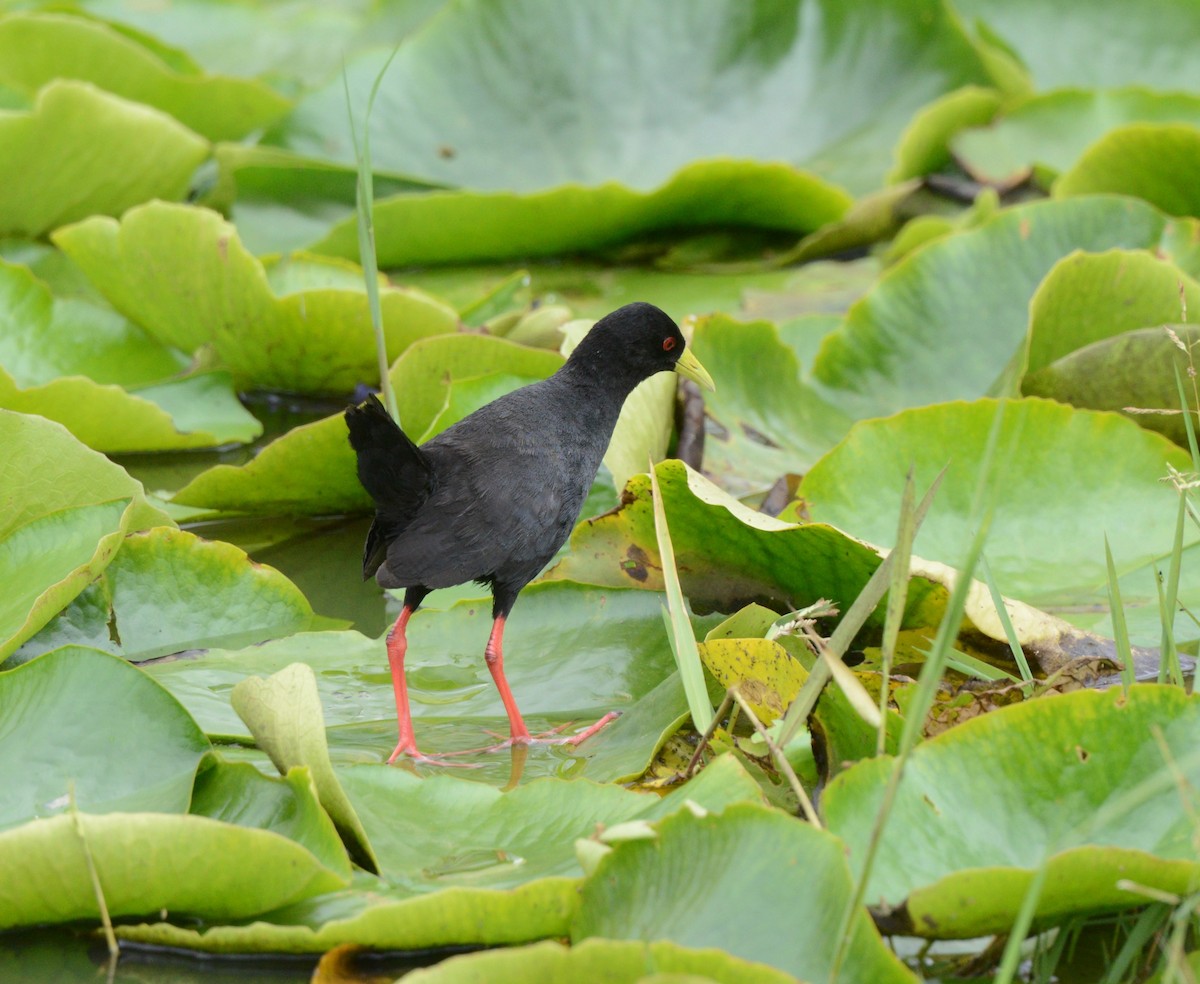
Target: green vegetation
[(902, 660)]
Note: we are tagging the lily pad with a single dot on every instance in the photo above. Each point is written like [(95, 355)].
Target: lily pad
[(167, 591), (727, 554), (1051, 130), (1078, 783), (68, 360), (81, 152), (1136, 369), (311, 468), (571, 654), (475, 226), (464, 863), (764, 421), (777, 84), (613, 961), (149, 862), (963, 301), (924, 147), (1046, 543), (182, 274), (80, 723), (1089, 297), (284, 714), (36, 48), (1061, 44), (1144, 160), (714, 881), (67, 511)]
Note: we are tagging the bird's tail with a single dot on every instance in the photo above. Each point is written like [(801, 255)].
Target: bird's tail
[(395, 472)]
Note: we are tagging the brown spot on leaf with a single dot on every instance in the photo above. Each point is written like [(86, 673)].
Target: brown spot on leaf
[(223, 247), (635, 563), (1082, 753)]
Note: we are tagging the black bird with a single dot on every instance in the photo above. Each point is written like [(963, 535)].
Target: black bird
[(492, 498)]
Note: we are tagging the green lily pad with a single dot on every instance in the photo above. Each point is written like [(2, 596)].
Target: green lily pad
[(924, 147), (1061, 44), (67, 511), (475, 226), (447, 831), (613, 961), (182, 274), (311, 468), (768, 422), (81, 723), (727, 554), (1144, 160), (295, 45), (571, 654), (1046, 544), (238, 793), (963, 301), (45, 337), (36, 48), (1089, 297), (1078, 783), (149, 862), (81, 152), (284, 714), (167, 591), (1051, 130), (463, 863), (780, 85), (75, 362), (1135, 369), (716, 880)]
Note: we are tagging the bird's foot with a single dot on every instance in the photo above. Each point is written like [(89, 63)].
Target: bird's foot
[(408, 751), (554, 736)]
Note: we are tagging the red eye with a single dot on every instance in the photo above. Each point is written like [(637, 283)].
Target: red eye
[(668, 343)]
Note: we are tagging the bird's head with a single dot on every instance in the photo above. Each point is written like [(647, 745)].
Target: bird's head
[(642, 340)]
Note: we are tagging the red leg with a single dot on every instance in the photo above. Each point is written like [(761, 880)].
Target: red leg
[(397, 644), (494, 654)]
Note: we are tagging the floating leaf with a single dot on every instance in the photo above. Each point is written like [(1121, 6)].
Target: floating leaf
[(1082, 786), (311, 468), (464, 863), (963, 301), (84, 724), (1051, 130), (182, 274), (768, 422), (81, 152), (478, 226), (168, 591), (766, 675), (1046, 543), (67, 511), (779, 86), (1062, 45), (689, 884), (1143, 160), (36, 48), (284, 714), (572, 654), (613, 961), (147, 862)]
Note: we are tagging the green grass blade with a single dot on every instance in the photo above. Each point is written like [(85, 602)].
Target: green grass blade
[(1189, 423), (365, 208), (1120, 629), (683, 640), (1014, 644), (870, 596), (1168, 596), (897, 600)]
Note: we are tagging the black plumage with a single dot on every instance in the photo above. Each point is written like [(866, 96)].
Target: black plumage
[(493, 497)]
